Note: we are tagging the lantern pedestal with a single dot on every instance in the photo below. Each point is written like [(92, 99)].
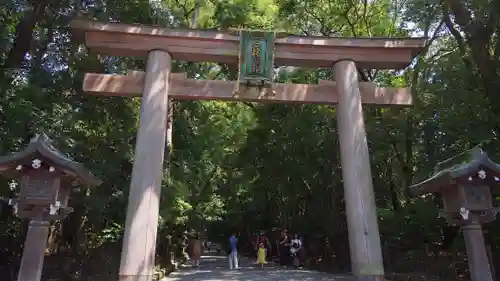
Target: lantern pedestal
[(477, 257), (34, 251)]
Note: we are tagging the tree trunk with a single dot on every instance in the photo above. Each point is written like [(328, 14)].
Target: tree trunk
[(24, 35), (478, 34)]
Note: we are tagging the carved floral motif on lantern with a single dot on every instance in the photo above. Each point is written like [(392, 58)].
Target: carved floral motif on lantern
[(36, 163)]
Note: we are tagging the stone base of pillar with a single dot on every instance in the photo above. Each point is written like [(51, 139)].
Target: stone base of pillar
[(136, 278), (369, 278)]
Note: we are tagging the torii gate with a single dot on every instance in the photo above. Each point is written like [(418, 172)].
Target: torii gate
[(158, 84)]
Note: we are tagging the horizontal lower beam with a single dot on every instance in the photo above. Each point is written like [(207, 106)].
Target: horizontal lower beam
[(116, 39), (182, 88)]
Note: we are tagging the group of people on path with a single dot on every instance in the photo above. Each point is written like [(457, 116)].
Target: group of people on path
[(288, 250)]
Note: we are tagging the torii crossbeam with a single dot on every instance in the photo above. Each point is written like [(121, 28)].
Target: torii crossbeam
[(157, 84), (182, 88)]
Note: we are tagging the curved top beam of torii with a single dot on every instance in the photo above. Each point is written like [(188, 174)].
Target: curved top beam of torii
[(117, 39)]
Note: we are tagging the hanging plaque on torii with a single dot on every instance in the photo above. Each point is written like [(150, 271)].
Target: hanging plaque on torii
[(256, 61)]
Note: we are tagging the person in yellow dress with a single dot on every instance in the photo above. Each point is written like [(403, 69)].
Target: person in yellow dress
[(261, 255)]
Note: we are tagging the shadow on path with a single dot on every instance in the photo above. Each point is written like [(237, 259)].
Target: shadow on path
[(216, 268)]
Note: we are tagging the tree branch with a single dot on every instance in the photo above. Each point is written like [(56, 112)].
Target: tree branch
[(456, 34), (24, 35)]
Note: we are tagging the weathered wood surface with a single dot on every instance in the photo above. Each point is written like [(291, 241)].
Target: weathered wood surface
[(116, 39), (182, 88), (141, 224)]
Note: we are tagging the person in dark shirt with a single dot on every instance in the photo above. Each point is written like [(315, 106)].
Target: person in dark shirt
[(284, 251)]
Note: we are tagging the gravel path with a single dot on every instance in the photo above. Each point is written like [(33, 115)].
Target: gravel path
[(215, 268)]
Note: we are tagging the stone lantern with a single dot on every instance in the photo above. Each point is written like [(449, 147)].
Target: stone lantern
[(46, 178), (466, 183)]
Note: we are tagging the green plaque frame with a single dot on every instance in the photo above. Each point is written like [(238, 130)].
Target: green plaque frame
[(256, 58)]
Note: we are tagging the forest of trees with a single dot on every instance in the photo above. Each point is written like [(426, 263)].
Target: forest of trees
[(246, 166)]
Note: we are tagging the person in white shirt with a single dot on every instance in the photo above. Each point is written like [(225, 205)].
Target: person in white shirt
[(295, 246)]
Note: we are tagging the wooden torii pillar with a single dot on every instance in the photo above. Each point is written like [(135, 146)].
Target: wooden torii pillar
[(158, 84)]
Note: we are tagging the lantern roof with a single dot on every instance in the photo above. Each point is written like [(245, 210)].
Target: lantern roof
[(41, 144), (464, 164)]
